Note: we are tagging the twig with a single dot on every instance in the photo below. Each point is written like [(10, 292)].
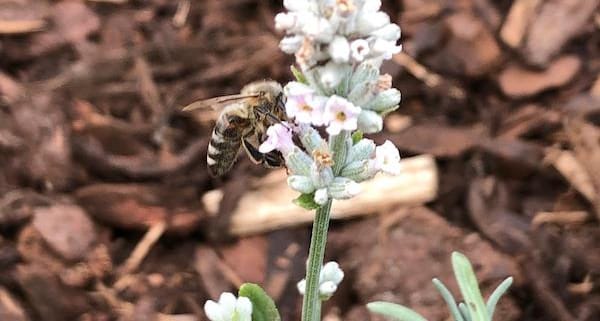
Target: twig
[(143, 247), (182, 13), (430, 78), (562, 217)]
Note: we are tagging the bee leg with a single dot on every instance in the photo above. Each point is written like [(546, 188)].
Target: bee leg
[(255, 156), (270, 159)]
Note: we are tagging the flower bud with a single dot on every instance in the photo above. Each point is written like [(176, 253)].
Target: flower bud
[(368, 22), (357, 171), (310, 138), (291, 44), (361, 150), (229, 308), (296, 5), (301, 184), (361, 93), (285, 21), (371, 5), (298, 162), (366, 72), (390, 32), (327, 289), (332, 74), (385, 101), (321, 196), (386, 48), (301, 286), (331, 272), (370, 122), (320, 177), (339, 49), (318, 28), (343, 188)]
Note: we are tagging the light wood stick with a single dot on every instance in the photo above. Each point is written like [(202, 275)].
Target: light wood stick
[(270, 207)]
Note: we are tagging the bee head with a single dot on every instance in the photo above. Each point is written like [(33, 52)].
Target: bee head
[(269, 88)]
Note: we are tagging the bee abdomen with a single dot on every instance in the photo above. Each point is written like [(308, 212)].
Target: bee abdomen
[(222, 153)]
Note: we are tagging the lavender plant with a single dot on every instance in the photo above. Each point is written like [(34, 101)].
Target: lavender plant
[(474, 307), (339, 46)]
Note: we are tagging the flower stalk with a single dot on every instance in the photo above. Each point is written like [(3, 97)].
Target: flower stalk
[(311, 306)]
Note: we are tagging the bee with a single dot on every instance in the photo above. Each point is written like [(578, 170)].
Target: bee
[(243, 122)]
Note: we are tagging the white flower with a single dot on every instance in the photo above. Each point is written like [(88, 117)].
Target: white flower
[(387, 158), (303, 105), (330, 277), (321, 196), (229, 308), (339, 49), (279, 137), (340, 114), (359, 49), (386, 48), (291, 44)]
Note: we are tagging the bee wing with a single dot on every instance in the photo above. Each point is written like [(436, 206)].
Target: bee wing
[(218, 103)]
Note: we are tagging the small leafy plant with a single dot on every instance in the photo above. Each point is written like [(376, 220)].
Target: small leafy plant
[(473, 308)]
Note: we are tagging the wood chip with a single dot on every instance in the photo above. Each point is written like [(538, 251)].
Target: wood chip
[(519, 82), (271, 206), (66, 229), (517, 22), (557, 22), (12, 27), (568, 165), (437, 140)]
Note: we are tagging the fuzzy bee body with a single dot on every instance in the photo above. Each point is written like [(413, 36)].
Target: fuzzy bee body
[(242, 123)]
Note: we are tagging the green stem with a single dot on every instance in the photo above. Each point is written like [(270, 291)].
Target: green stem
[(311, 306)]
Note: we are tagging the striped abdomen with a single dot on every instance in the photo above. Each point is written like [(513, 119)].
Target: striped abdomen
[(225, 143)]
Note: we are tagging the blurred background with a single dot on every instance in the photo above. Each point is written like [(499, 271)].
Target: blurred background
[(107, 211)]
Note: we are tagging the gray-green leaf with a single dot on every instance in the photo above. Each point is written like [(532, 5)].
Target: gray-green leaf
[(263, 307), (463, 271), (307, 201), (395, 311), (498, 292)]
